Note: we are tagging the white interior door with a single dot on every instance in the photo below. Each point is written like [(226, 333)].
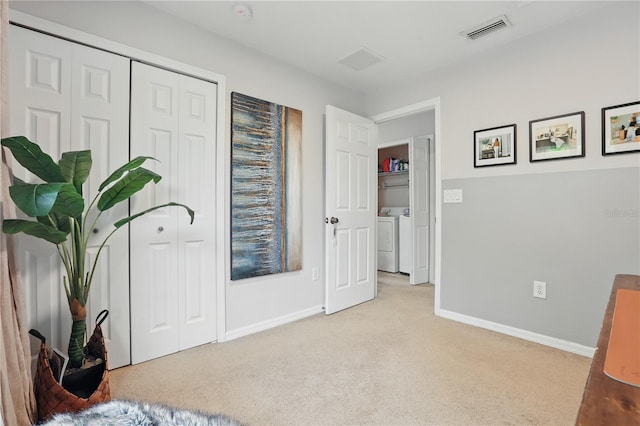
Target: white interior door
[(65, 96), (350, 188), (172, 262), (419, 208)]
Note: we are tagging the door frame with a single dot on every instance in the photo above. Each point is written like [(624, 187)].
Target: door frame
[(432, 104), (409, 141), (222, 168)]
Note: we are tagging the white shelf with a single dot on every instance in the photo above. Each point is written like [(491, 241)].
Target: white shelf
[(398, 173)]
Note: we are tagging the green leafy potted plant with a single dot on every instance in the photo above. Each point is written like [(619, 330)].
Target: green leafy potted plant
[(63, 217)]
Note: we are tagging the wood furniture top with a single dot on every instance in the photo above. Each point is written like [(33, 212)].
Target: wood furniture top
[(607, 401)]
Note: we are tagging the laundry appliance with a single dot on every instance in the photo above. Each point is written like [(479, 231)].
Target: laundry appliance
[(388, 238)]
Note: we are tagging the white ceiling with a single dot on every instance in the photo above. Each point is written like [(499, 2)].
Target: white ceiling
[(415, 37)]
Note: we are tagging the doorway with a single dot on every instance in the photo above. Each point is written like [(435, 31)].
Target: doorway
[(408, 192), (413, 112), (350, 260)]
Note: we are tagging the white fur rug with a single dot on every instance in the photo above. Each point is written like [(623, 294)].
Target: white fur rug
[(121, 413)]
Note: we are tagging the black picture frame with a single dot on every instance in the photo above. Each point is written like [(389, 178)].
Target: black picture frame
[(616, 122), (558, 137), (495, 146)]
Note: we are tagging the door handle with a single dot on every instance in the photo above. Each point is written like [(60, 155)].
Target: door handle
[(332, 221)]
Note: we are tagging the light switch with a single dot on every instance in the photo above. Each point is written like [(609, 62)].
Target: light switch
[(452, 196)]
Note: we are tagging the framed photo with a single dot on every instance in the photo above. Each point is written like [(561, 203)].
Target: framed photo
[(621, 129), (557, 137), (495, 146)]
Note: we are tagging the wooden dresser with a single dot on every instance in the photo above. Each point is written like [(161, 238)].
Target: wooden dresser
[(607, 401)]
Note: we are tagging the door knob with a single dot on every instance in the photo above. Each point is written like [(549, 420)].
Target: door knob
[(333, 221)]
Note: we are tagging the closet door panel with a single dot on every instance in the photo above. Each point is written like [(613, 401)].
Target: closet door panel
[(154, 248), (39, 76), (419, 204), (100, 122), (196, 184), (173, 120), (52, 81)]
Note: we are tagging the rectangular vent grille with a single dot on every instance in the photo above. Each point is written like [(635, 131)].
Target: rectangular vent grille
[(487, 28)]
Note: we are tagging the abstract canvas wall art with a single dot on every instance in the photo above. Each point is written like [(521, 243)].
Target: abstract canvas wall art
[(266, 209)]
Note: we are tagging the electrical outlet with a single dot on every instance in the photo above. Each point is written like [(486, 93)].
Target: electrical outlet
[(540, 289)]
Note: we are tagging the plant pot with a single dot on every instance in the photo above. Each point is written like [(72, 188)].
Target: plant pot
[(92, 383), (82, 382)]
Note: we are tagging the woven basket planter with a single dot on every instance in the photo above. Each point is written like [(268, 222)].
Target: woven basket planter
[(51, 397)]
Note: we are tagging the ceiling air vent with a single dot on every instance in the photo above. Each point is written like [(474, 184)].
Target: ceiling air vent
[(499, 23), (361, 59)]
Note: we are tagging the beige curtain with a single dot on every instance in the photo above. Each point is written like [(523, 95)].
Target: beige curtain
[(16, 388)]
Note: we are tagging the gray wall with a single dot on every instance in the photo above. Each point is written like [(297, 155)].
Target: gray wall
[(572, 223), (573, 230)]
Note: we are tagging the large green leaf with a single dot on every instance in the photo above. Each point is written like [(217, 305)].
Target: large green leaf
[(75, 167), (35, 199), (69, 202), (58, 221), (31, 157), (131, 183), (36, 229), (126, 220), (136, 162)]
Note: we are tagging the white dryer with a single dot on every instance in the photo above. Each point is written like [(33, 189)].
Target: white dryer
[(388, 238), (388, 243)]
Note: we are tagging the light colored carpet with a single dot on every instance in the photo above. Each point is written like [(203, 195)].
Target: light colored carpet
[(385, 362)]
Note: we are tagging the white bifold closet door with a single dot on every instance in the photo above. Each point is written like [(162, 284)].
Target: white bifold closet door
[(173, 119), (419, 208), (68, 97)]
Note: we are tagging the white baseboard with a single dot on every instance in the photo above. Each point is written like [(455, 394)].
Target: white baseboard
[(275, 322), (553, 342)]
